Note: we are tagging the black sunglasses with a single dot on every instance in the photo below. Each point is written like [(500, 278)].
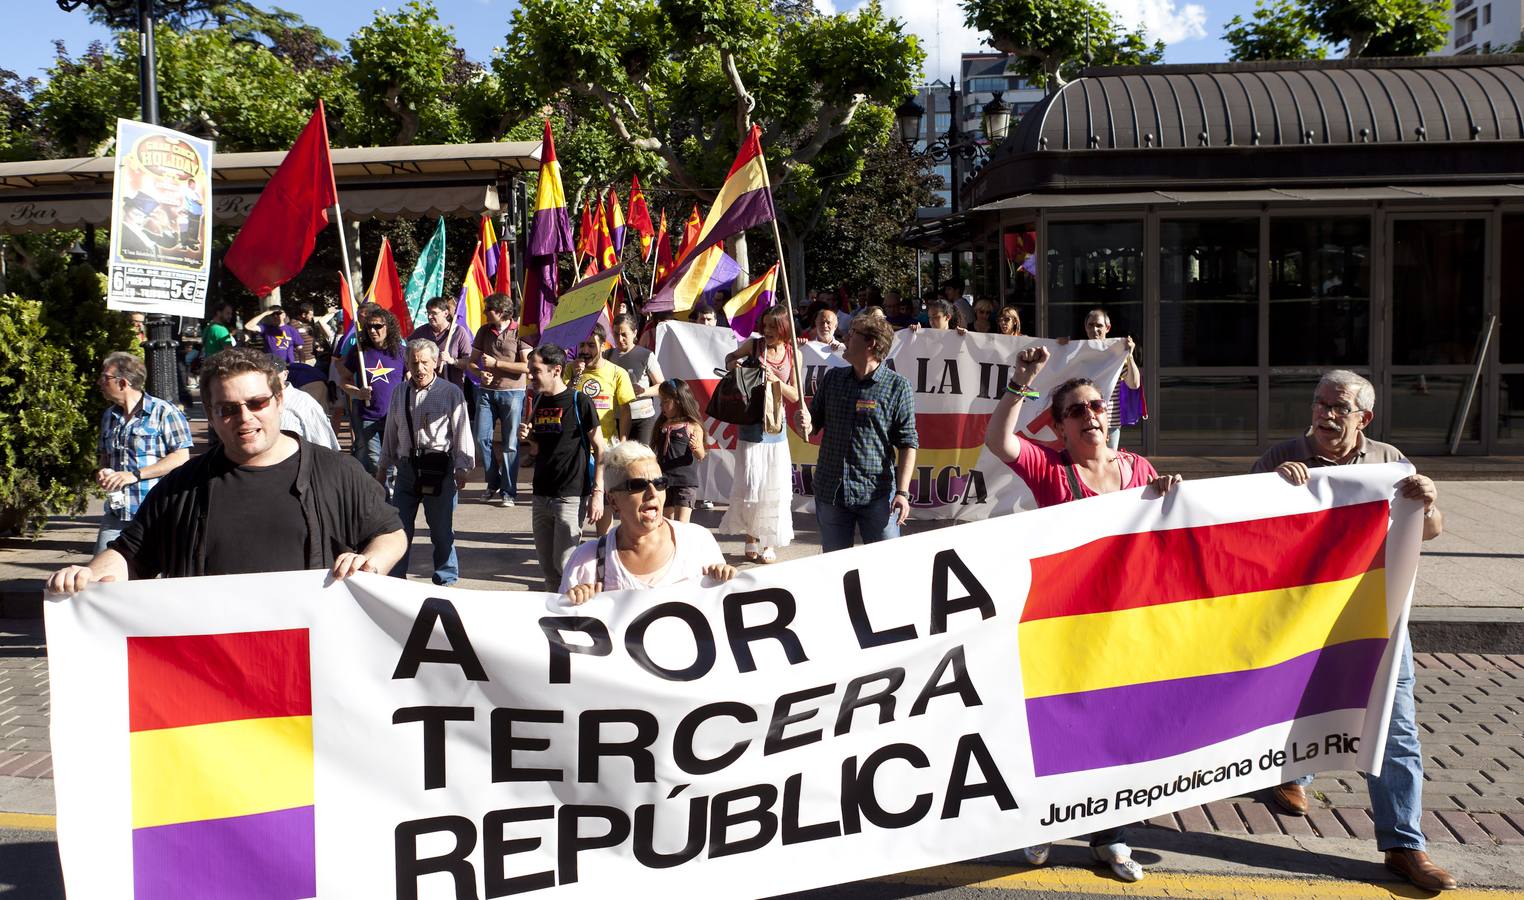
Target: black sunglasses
[(375, 326), (229, 410), (1075, 410), (639, 485)]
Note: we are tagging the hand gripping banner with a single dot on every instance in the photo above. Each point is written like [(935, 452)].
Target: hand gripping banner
[(946, 695)]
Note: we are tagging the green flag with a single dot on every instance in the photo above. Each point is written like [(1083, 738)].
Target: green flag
[(427, 280)]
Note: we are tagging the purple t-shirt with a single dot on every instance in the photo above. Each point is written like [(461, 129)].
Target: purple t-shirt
[(386, 373), (281, 342)]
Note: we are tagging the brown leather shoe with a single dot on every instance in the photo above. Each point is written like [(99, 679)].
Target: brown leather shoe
[(1414, 865), (1290, 798)]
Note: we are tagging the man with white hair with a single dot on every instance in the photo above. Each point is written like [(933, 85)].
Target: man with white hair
[(1343, 405), (429, 438)]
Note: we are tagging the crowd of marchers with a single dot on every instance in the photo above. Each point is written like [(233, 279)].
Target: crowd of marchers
[(615, 449)]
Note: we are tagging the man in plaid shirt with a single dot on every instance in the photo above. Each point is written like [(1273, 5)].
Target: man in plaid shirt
[(142, 439), (867, 412)]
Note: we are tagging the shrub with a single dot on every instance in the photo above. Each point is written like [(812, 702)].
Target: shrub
[(47, 440)]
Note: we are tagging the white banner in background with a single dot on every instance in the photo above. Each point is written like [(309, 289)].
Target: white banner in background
[(915, 702), (957, 380)]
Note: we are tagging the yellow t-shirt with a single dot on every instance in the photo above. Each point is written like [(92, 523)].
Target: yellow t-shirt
[(608, 386)]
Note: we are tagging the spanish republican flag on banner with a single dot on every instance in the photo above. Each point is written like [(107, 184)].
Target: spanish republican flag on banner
[(1122, 656)]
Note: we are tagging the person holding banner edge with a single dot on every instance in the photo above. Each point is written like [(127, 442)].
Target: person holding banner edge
[(1343, 404), (1086, 467)]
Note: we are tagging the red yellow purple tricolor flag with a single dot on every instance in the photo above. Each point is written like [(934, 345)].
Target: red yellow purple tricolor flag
[(550, 231), (222, 765), (744, 310), (640, 217), (1123, 656)]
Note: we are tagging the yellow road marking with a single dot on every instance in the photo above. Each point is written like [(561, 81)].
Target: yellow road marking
[(1168, 884), (28, 822)]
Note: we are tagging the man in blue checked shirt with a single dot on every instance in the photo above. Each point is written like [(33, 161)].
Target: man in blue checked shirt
[(142, 439), (867, 412)]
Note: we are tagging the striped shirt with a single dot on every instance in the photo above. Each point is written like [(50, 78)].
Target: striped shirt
[(154, 430), (439, 424)]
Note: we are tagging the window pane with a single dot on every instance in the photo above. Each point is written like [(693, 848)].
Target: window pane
[(1320, 310), (1290, 405), (1437, 272), (1209, 298), (1422, 410), (1511, 409), (1019, 247), (1510, 335), (1207, 411), (1093, 264)]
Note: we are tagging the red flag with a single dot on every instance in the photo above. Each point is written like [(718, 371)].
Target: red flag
[(503, 283), (691, 230), (346, 299), (587, 242), (275, 241), (386, 289), (606, 258), (663, 251), (640, 217)]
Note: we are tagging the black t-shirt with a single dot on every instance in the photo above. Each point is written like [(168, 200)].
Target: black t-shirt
[(244, 496), (560, 469)]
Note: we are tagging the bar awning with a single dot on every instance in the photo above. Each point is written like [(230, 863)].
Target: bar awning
[(1273, 196), (374, 182)]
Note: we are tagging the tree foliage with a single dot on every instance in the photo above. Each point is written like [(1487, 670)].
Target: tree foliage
[(1056, 38), (1304, 29)]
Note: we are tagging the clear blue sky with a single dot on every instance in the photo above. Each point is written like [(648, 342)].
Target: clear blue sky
[(26, 44)]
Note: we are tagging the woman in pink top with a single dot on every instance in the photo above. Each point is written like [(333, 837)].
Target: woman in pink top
[(1087, 466)]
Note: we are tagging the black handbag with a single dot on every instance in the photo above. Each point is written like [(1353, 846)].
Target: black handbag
[(740, 397), (430, 467)]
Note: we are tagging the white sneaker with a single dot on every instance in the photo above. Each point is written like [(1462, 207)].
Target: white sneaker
[(1038, 855), (1119, 857), (505, 502)]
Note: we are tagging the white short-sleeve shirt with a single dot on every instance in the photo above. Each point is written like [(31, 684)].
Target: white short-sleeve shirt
[(696, 549)]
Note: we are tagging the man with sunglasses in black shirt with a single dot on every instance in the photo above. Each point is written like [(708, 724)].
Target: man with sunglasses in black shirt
[(281, 503)]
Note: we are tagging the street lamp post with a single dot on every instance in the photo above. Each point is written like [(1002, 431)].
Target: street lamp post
[(161, 352), (954, 146)]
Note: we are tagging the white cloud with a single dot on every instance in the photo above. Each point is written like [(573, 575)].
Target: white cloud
[(944, 37)]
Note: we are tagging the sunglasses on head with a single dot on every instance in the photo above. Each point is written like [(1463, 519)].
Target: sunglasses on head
[(230, 409), (639, 485), (1075, 410)]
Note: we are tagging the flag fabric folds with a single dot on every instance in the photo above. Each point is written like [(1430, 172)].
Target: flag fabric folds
[(550, 232), (745, 309), (385, 290), (276, 240), (222, 765), (710, 273), (579, 309), (616, 225), (1310, 586), (744, 201), (663, 259), (605, 257), (639, 218), (470, 305), (691, 230), (427, 280), (587, 240)]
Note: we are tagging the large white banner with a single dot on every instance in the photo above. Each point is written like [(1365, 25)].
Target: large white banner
[(161, 222), (957, 380), (933, 698)]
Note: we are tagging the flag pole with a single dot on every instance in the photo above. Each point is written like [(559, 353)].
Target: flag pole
[(349, 273), (788, 299)]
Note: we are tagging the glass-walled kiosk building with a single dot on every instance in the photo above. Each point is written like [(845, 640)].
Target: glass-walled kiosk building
[(1253, 224)]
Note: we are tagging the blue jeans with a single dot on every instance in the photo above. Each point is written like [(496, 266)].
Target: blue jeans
[(502, 468), (1397, 793), (367, 448), (438, 512), (874, 520), (111, 526)]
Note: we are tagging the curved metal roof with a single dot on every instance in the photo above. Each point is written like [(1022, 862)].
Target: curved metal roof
[(1282, 104), (1387, 119)]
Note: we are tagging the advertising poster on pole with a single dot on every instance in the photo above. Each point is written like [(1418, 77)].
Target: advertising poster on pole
[(161, 223)]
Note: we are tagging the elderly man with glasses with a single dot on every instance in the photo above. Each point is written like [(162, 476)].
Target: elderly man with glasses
[(281, 503), (143, 438), (1343, 405)]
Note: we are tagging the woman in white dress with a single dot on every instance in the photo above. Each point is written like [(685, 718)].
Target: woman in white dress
[(761, 496)]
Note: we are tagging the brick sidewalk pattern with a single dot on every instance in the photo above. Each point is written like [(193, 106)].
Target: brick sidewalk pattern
[(1470, 708)]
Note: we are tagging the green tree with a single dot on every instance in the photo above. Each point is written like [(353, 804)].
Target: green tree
[(1301, 29), (1054, 39), (1279, 30), (679, 81), (407, 73)]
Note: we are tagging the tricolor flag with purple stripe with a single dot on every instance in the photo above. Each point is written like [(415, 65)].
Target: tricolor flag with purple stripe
[(744, 202), (745, 309), (550, 231), (222, 766), (1122, 656), (579, 310)]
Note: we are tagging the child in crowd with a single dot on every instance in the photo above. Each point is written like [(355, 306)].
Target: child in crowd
[(679, 445)]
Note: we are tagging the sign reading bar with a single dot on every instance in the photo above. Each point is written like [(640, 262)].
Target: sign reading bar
[(946, 695)]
